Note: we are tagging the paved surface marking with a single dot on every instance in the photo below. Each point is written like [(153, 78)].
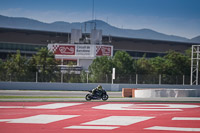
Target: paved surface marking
[(5, 120), (91, 127), (47, 106), (41, 119), (109, 117), (4, 107), (174, 128), (118, 120), (55, 105), (154, 107), (186, 118)]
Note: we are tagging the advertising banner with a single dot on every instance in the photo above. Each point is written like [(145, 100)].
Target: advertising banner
[(64, 49), (83, 50), (103, 50)]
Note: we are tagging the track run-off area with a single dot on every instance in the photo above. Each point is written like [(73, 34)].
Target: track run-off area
[(98, 117)]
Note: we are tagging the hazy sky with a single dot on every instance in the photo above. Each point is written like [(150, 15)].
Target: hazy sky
[(172, 17)]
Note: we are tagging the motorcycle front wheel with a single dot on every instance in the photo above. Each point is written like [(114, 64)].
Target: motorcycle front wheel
[(88, 97), (105, 97)]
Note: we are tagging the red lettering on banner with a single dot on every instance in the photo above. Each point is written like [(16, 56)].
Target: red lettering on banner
[(65, 50), (103, 51)]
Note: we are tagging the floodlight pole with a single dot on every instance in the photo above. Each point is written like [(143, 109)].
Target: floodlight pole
[(195, 65), (93, 10)]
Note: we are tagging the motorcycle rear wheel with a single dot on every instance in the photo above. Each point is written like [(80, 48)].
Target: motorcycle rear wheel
[(105, 97), (88, 97)]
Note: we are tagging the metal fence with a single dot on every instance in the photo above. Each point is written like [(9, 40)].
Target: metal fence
[(59, 77)]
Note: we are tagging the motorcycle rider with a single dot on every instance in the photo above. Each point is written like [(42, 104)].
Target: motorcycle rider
[(97, 91), (97, 94)]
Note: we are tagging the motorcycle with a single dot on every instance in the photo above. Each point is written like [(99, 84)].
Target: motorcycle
[(103, 96)]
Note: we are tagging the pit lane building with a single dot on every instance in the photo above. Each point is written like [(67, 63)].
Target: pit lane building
[(28, 41)]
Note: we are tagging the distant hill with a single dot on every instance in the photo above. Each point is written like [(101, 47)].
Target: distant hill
[(59, 26), (196, 39)]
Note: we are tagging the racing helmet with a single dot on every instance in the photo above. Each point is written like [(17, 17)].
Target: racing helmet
[(99, 87)]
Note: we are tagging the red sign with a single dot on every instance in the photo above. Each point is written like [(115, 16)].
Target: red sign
[(65, 50), (103, 51)]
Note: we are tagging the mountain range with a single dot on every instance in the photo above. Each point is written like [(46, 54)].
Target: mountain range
[(60, 26)]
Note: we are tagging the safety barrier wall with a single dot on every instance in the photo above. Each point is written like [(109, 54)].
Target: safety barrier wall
[(153, 93), (85, 86)]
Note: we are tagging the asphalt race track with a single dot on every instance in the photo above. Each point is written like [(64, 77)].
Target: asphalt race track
[(98, 117), (79, 96)]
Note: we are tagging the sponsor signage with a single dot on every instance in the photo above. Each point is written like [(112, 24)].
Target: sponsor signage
[(81, 50), (103, 50), (65, 50)]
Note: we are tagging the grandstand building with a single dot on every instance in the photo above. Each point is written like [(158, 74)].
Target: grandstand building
[(28, 41)]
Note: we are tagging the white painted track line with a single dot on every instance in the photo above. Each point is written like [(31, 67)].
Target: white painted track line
[(173, 128), (41, 119), (186, 118), (91, 127), (47, 106), (10, 107), (5, 120), (54, 105), (118, 120), (127, 107)]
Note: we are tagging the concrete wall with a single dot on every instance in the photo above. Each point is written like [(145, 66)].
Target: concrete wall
[(153, 93), (85, 86)]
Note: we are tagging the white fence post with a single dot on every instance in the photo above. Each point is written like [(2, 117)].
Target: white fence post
[(160, 78), (113, 75), (61, 77), (36, 80), (87, 77), (136, 79)]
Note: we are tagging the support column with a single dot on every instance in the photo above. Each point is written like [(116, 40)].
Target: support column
[(195, 65)]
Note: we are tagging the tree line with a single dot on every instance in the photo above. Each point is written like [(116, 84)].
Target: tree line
[(21, 68), (173, 64)]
